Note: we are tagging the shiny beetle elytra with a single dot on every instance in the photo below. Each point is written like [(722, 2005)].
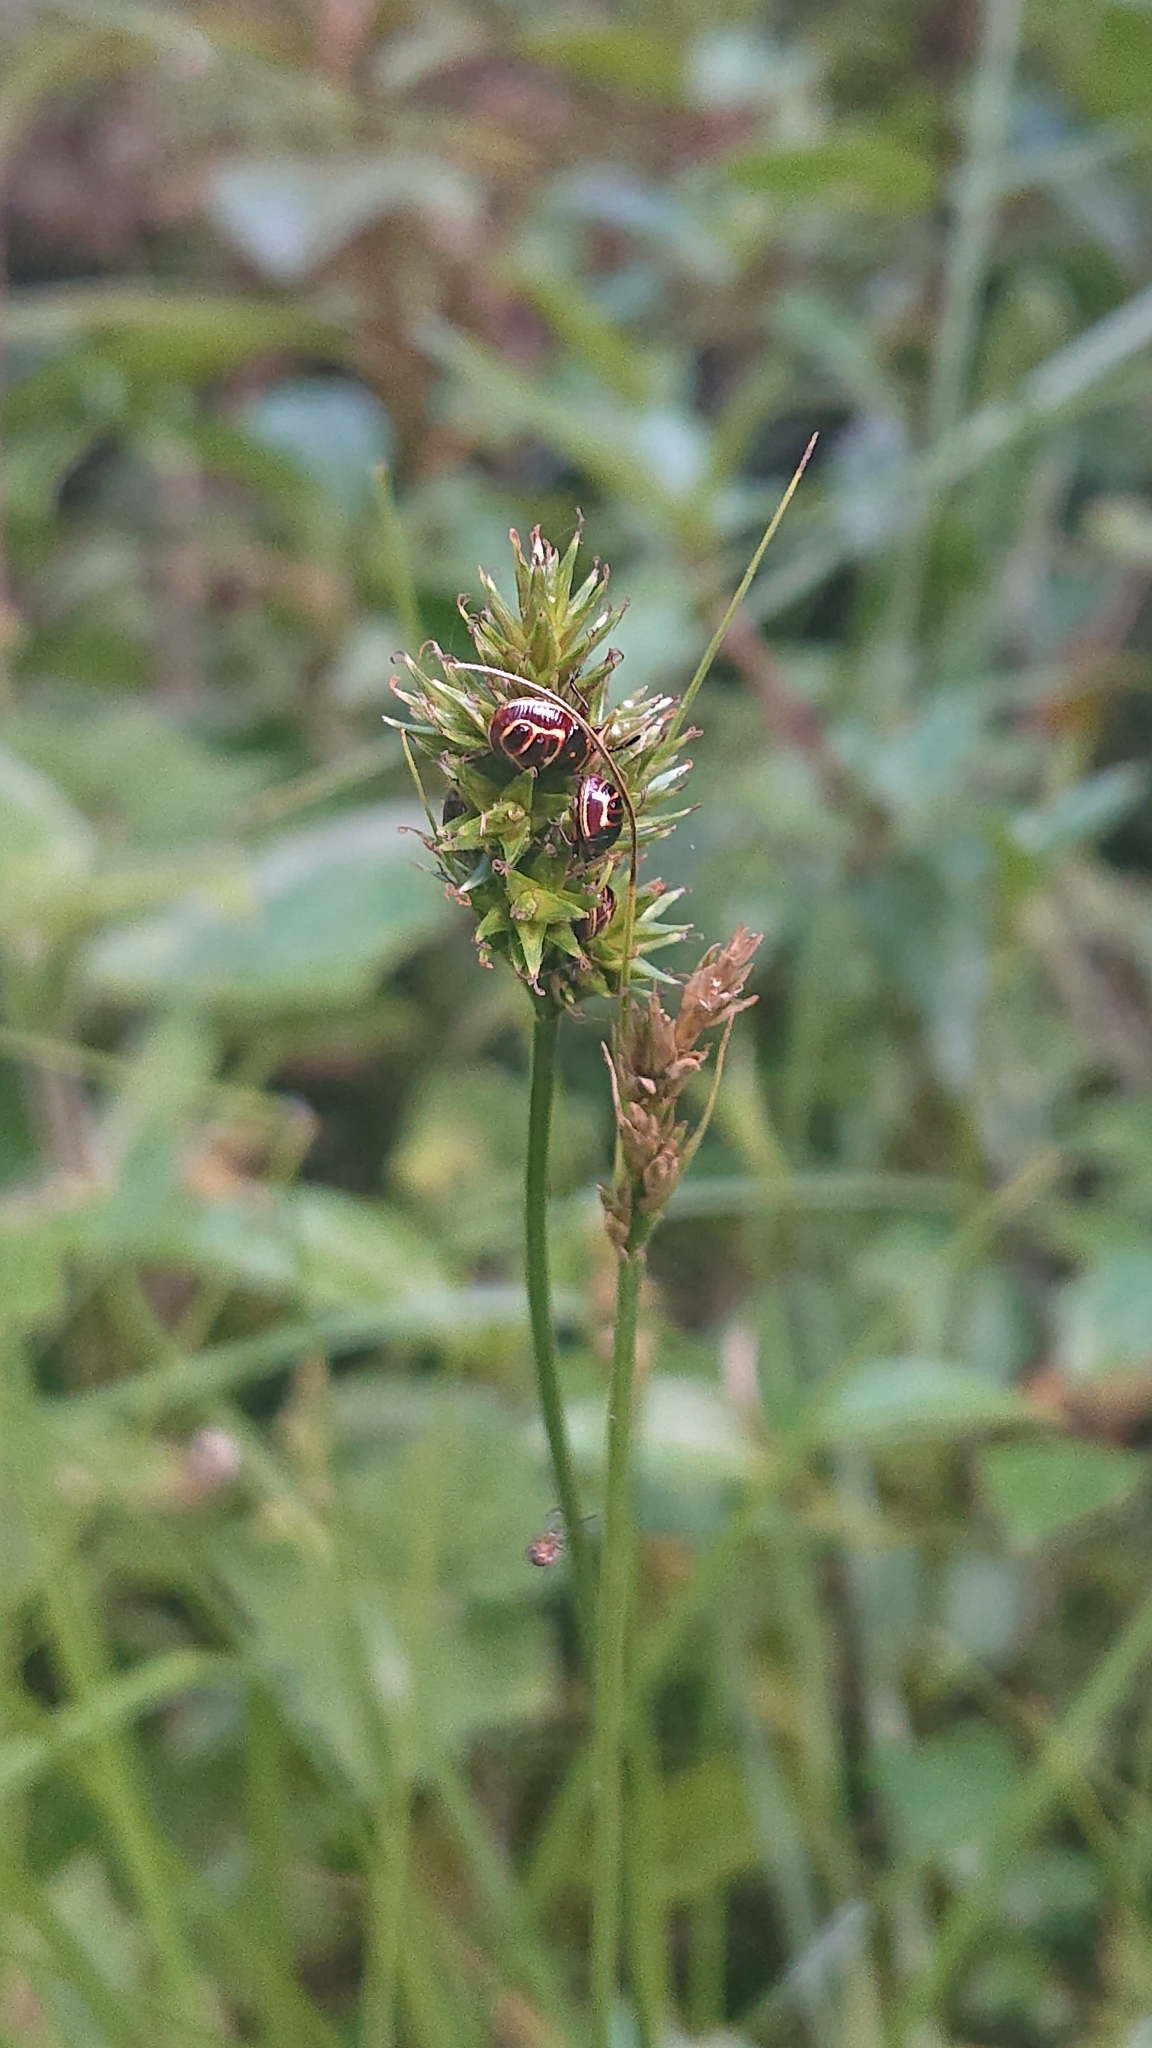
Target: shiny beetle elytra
[(599, 917), (597, 813), (534, 734), (454, 807)]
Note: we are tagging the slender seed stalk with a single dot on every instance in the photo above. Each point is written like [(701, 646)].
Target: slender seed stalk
[(612, 1610), (544, 1035)]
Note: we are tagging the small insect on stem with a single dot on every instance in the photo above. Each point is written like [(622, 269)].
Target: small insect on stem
[(550, 1545)]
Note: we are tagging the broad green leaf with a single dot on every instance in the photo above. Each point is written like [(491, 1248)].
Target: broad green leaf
[(32, 1250), (313, 1246), (687, 1431), (1040, 1490), (487, 1461), (1056, 1891), (316, 1245), (707, 1833), (340, 1648), (137, 773), (648, 212), (893, 1398), (1121, 524), (332, 908), (299, 1635), (984, 1606), (1104, 1316), (187, 334), (43, 841), (335, 430), (1114, 76), (84, 1897), (866, 169), (735, 65), (949, 1790), (289, 215), (613, 54), (1084, 812), (1012, 1983), (460, 1158), (35, 466)]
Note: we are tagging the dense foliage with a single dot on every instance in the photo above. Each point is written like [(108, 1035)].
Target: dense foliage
[(306, 307)]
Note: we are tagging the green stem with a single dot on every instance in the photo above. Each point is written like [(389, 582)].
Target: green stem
[(645, 1928), (737, 599), (398, 573), (611, 1702), (1066, 1755), (979, 196), (111, 1768), (544, 1037)]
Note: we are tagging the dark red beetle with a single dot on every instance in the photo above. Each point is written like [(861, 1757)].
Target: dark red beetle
[(598, 814), (454, 807), (599, 917), (534, 734)]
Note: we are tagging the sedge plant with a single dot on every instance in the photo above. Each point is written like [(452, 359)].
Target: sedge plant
[(549, 796)]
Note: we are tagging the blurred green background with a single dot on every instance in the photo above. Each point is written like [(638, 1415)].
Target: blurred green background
[(292, 1738)]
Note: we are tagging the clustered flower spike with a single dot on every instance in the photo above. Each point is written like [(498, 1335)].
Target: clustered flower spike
[(551, 792), (652, 1058)]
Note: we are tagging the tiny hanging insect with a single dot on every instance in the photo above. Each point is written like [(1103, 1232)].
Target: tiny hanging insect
[(550, 1545)]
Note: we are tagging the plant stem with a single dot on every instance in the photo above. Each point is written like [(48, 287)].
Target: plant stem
[(1066, 1755), (111, 1768), (741, 592), (397, 566), (610, 1709), (978, 199), (979, 196), (544, 1035)]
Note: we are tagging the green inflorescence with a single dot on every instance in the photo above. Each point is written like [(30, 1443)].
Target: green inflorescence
[(505, 842)]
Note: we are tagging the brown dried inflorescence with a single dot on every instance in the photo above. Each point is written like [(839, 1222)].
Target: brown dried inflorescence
[(652, 1058)]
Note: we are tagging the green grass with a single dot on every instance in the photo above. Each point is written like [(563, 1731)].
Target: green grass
[(295, 1746)]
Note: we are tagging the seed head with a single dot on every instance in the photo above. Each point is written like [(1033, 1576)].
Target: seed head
[(651, 1059), (552, 792)]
